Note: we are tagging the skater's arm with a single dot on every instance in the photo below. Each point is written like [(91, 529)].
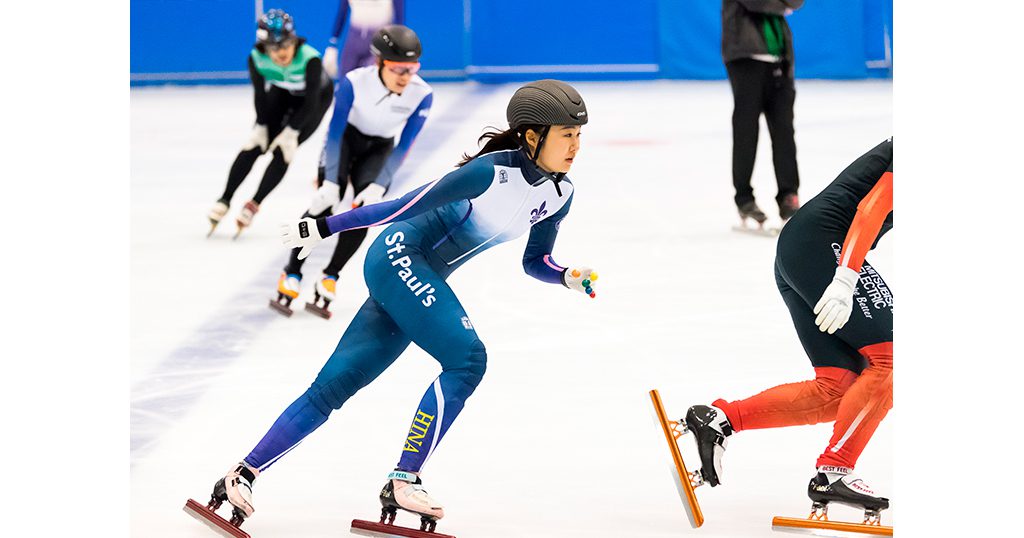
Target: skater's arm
[(773, 7), (537, 260), (871, 214), (339, 22), (310, 101), (399, 11), (464, 183), (344, 95), (259, 92), (412, 129)]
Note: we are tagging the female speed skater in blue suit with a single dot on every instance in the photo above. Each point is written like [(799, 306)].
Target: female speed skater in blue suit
[(516, 183)]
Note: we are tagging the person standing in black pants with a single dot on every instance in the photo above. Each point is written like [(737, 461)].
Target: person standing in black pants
[(757, 47)]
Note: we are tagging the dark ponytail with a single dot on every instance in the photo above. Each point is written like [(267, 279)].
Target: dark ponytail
[(500, 140)]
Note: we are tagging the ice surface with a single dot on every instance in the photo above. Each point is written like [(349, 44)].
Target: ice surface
[(559, 439)]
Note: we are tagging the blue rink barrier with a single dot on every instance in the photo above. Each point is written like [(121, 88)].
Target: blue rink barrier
[(207, 42)]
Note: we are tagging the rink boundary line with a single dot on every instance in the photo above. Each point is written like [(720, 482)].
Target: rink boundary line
[(185, 373)]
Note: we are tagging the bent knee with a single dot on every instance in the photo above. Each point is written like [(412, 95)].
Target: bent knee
[(833, 382), (333, 393)]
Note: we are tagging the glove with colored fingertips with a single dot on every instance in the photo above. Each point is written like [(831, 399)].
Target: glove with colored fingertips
[(836, 303), (581, 280)]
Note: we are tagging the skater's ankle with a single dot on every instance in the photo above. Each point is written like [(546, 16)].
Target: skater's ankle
[(728, 412), (248, 471), (399, 475), (834, 472)]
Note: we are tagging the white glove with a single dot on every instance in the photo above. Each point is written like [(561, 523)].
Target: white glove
[(257, 138), (331, 61), (301, 234), (288, 141), (835, 305), (580, 279), (372, 194)]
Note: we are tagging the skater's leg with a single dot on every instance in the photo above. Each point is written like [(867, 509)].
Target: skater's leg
[(862, 409), (271, 176), (239, 169), (370, 344), (747, 79), (778, 113), (836, 366), (427, 310), (367, 161)]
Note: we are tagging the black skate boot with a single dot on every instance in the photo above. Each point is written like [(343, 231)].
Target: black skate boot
[(788, 206), (405, 490), (839, 485), (710, 428), (749, 210)]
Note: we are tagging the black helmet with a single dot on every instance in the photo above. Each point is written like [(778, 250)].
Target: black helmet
[(546, 102), (396, 43), (275, 27)]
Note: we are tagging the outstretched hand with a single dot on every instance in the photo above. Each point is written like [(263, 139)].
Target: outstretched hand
[(303, 233)]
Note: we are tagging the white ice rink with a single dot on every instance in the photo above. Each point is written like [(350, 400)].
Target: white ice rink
[(559, 438)]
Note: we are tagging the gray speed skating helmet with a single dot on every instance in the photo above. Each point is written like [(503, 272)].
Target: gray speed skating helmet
[(546, 102), (396, 43)]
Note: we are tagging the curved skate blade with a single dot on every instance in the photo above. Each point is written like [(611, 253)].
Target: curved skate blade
[(828, 528), (383, 530), (767, 231), (318, 310), (680, 474), (212, 520)]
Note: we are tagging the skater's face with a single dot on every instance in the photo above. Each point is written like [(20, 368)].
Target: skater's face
[(282, 54), (396, 75), (559, 149)]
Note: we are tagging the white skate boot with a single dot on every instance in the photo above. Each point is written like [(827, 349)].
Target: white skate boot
[(236, 489), (405, 490), (245, 216), (216, 214), (324, 294)]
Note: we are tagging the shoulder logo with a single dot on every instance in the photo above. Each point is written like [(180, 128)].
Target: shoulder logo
[(537, 214), (502, 176)]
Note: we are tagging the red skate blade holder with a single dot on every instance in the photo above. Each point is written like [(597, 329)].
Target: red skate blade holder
[(383, 530), (211, 519)]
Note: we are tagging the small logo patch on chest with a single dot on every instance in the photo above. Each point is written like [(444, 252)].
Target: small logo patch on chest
[(502, 176), (537, 214)]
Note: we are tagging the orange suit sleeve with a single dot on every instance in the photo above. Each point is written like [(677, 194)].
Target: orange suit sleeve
[(871, 214)]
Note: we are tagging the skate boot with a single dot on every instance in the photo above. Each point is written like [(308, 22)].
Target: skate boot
[(405, 490), (288, 287), (788, 206), (750, 210), (839, 485), (236, 489), (244, 218), (710, 429), (216, 214), (324, 294)]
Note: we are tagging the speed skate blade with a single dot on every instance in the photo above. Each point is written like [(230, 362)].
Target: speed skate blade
[(383, 530), (680, 474), (767, 231), (320, 311), (280, 308), (212, 520), (828, 528)]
